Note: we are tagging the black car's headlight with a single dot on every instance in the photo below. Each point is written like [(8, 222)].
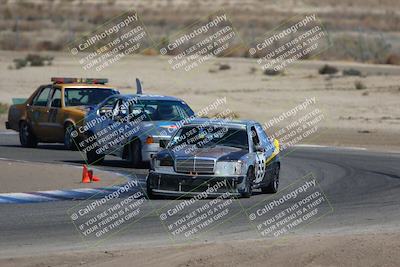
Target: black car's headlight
[(226, 168), (166, 162), (163, 163)]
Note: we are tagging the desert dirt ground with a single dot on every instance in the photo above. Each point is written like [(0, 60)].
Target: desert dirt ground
[(361, 249), (367, 117)]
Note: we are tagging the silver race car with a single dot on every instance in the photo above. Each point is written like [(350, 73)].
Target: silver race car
[(216, 156)]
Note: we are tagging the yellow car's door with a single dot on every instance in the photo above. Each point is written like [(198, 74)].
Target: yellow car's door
[(37, 112), (55, 120)]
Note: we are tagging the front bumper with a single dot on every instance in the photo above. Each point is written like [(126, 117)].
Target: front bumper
[(186, 185), (8, 125)]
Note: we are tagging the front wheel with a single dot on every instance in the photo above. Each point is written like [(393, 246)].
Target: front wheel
[(69, 140), (26, 137), (273, 185), (135, 154), (248, 183), (149, 190), (92, 156)]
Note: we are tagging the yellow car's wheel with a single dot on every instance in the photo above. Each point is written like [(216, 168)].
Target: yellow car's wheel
[(26, 136)]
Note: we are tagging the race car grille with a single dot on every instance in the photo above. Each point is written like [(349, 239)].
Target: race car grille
[(195, 165)]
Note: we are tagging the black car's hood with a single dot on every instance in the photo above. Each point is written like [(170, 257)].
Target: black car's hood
[(216, 152)]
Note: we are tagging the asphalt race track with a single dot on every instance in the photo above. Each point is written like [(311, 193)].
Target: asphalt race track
[(363, 189)]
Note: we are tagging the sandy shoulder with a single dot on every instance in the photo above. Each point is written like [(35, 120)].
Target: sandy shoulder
[(366, 118), (24, 177), (365, 249)]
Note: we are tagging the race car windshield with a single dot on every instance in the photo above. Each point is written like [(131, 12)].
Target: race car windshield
[(86, 96), (210, 137), (161, 110)]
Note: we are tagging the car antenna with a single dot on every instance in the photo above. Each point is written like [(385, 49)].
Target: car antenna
[(139, 89)]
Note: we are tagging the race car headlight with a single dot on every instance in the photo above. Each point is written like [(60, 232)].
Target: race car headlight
[(227, 168), (163, 164), (166, 162)]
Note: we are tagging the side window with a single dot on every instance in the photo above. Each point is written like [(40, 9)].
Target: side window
[(254, 136), (42, 98), (56, 99), (107, 107), (110, 102), (265, 142), (120, 109)]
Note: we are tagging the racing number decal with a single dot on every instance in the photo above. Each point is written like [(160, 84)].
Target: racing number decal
[(260, 167)]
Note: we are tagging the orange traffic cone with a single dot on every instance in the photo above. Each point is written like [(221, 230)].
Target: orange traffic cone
[(93, 178), (85, 175)]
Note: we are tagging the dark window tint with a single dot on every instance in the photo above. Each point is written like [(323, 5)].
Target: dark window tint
[(42, 98), (254, 136), (211, 136), (86, 96)]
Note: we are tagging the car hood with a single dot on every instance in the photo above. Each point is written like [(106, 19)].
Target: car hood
[(217, 152)]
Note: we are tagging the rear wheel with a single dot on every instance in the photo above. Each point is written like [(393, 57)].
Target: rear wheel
[(273, 185), (135, 154), (26, 137), (248, 183)]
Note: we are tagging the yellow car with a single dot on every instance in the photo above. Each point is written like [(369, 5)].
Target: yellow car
[(53, 111)]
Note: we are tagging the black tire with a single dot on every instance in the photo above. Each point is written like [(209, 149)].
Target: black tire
[(135, 154), (248, 183), (149, 191), (273, 185), (92, 157), (26, 136), (70, 143)]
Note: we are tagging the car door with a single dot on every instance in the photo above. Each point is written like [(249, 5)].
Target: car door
[(37, 113), (106, 125), (260, 156), (55, 120)]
